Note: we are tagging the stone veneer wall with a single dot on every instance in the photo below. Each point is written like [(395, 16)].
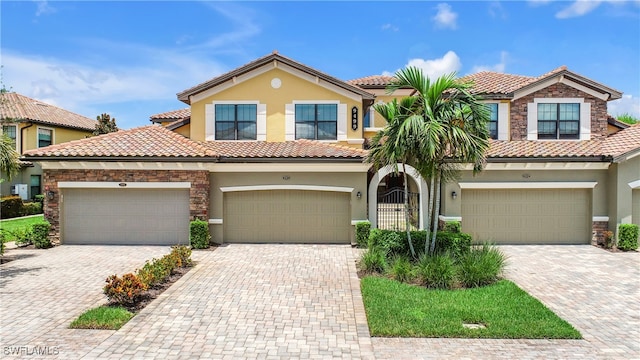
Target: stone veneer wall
[(599, 228), (519, 110), (198, 194)]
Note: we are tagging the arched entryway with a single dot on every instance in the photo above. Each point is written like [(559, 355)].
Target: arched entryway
[(416, 184)]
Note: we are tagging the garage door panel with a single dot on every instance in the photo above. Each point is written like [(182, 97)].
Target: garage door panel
[(635, 206), (126, 216), (528, 216), (293, 216)]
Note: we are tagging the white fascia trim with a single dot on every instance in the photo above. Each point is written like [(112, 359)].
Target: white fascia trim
[(289, 167), (600, 218), (315, 80), (355, 222), (372, 129), (543, 166), (231, 82), (287, 187), (215, 221), (355, 141), (123, 165), (529, 185), (53, 135), (519, 94), (584, 89), (635, 184), (449, 218), (122, 185)]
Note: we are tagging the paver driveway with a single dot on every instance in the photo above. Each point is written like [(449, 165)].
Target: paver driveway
[(302, 301)]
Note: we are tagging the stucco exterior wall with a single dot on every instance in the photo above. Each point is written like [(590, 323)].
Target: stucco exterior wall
[(620, 176)]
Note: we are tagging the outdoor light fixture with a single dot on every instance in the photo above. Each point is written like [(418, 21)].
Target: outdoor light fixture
[(454, 195), (359, 195), (50, 195)]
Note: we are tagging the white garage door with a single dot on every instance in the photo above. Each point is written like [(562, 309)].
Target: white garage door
[(635, 211), (125, 216), (517, 216), (287, 216)]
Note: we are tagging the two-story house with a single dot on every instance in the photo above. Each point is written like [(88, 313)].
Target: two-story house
[(273, 152), (33, 124)]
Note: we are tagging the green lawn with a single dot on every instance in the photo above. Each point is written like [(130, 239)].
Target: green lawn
[(103, 317), (13, 224), (396, 309)]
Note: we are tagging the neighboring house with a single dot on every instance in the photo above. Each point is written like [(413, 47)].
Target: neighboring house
[(33, 124), (273, 152)]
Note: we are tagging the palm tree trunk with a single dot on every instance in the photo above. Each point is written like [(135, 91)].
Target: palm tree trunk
[(406, 211), (427, 224), (435, 214)]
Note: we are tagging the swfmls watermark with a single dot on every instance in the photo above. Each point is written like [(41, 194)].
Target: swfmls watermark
[(31, 350)]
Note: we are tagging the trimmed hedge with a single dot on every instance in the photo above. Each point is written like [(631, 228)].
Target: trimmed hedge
[(11, 206), (628, 237), (363, 229), (396, 243), (40, 235), (199, 234)]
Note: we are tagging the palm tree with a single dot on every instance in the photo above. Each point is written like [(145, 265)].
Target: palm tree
[(8, 157), (395, 144), (452, 130)]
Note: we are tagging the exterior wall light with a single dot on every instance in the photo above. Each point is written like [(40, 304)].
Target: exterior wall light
[(50, 194), (454, 195), (359, 195)]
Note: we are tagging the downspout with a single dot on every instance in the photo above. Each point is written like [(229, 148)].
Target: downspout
[(22, 137)]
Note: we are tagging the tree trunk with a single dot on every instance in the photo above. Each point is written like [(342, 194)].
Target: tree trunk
[(436, 211), (406, 211), (427, 225)]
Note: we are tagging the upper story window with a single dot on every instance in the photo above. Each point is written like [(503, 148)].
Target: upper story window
[(493, 120), (366, 121), (236, 122), (316, 121), (45, 137), (11, 132), (558, 121)]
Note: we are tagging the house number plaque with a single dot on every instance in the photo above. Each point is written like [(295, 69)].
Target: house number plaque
[(354, 118)]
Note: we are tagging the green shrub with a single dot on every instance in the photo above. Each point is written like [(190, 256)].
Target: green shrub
[(401, 269), (628, 237), (32, 208), (456, 243), (11, 207), (373, 260), (39, 198), (23, 235), (40, 235), (184, 253), (453, 226), (1, 242), (362, 233), (437, 271), (199, 234), (389, 241), (481, 266), (125, 290)]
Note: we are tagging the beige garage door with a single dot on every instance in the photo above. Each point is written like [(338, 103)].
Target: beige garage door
[(541, 216), (125, 216), (287, 216), (635, 213)]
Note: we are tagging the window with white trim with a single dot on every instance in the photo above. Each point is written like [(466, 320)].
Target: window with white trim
[(45, 137), (316, 121), (11, 131), (493, 120), (558, 121), (236, 121)]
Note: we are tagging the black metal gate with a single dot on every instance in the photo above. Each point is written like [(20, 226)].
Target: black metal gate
[(391, 210)]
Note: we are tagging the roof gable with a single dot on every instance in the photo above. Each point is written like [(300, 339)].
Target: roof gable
[(18, 107), (264, 64)]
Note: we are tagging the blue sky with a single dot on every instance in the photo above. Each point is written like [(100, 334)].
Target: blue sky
[(129, 59)]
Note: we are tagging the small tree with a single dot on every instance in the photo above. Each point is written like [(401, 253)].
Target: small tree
[(105, 125)]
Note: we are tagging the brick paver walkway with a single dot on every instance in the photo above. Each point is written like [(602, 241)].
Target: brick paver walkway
[(300, 301)]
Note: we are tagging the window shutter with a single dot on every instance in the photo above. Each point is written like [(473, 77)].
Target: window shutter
[(503, 121), (342, 122), (585, 121), (261, 126), (210, 122), (532, 121), (289, 122)]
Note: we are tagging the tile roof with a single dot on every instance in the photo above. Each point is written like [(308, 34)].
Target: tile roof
[(489, 82), (172, 115), (184, 96), (23, 108), (150, 141), (155, 141), (372, 81), (287, 149), (623, 142), (545, 149)]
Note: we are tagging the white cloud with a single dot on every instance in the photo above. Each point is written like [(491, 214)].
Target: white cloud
[(390, 27), (628, 104), (578, 8), (496, 10), (499, 67), (43, 8), (433, 68), (445, 18)]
